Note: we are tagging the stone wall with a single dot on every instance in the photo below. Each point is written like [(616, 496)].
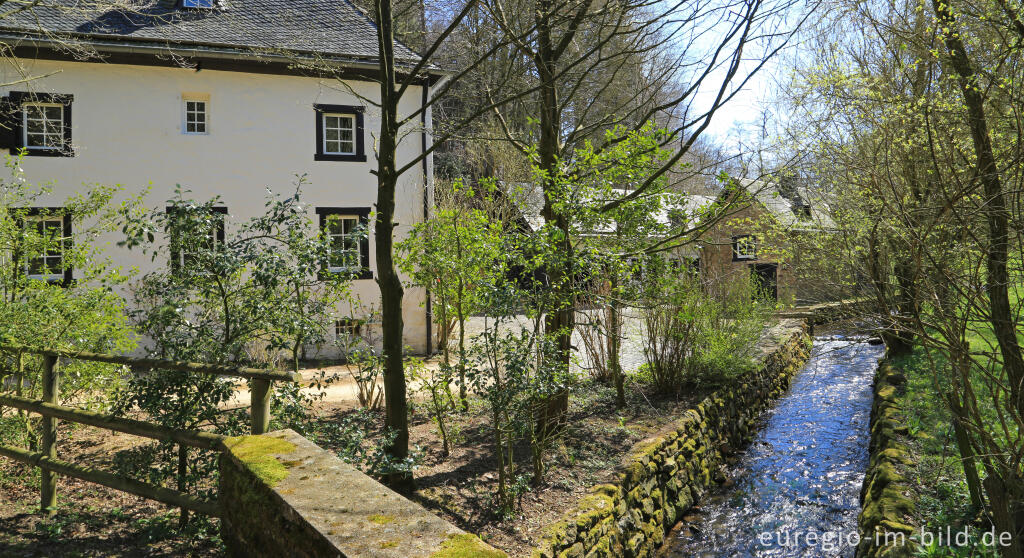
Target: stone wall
[(885, 507), (281, 495), (664, 476)]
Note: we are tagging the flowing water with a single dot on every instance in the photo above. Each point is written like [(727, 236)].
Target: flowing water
[(795, 490)]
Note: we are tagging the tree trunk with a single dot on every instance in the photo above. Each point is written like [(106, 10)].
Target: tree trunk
[(391, 292), (895, 344), (1006, 518), (614, 344), (560, 319), (960, 357), (460, 308), (442, 330)]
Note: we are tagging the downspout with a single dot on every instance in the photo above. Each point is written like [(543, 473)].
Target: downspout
[(427, 180)]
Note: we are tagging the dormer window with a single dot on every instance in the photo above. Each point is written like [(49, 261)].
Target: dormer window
[(199, 4)]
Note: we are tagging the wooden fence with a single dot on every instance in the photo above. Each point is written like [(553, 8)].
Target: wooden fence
[(51, 412)]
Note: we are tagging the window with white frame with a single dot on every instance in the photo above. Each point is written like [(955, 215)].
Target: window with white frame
[(339, 134), (744, 247), (43, 125), (343, 232), (196, 236), (40, 123), (346, 232), (50, 233), (196, 116)]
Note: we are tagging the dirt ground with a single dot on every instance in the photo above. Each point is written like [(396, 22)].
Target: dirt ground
[(461, 487), (92, 521), (95, 521)]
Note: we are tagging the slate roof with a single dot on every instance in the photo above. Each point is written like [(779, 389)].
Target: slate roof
[(783, 209), (334, 29)]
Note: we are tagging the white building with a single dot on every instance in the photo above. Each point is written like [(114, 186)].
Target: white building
[(212, 95)]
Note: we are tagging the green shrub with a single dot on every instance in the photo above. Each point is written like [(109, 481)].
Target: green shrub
[(693, 334)]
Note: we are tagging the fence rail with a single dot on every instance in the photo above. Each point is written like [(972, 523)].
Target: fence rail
[(196, 439), (50, 411)]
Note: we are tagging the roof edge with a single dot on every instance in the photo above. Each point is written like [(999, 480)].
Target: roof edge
[(131, 45)]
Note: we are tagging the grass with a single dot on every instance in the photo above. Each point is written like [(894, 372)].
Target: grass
[(939, 488)]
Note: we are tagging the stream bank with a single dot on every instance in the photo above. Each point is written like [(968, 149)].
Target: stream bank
[(795, 491)]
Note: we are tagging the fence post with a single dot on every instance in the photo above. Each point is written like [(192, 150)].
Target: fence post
[(260, 409), (48, 479)]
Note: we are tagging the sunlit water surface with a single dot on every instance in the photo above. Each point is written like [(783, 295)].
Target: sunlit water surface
[(802, 473)]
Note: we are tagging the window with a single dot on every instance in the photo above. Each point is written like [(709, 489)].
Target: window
[(346, 229), (690, 265), (744, 247), (347, 328), (339, 133), (41, 123), (196, 116), (199, 4), (189, 240), (52, 232)]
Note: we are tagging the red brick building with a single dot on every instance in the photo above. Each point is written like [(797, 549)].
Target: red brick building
[(759, 237)]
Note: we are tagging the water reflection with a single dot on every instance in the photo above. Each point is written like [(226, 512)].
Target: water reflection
[(797, 485)]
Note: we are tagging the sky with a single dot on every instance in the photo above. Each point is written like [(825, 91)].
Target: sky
[(740, 120)]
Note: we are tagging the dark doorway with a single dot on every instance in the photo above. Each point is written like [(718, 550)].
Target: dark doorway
[(765, 280)]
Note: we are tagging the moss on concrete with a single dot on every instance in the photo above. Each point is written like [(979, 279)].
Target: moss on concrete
[(257, 454), (464, 545), (381, 519)]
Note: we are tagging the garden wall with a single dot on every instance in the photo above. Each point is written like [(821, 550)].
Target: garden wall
[(281, 495), (884, 504), (664, 476)]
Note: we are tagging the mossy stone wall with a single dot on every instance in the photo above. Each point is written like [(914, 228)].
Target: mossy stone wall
[(281, 495), (885, 508), (664, 476)]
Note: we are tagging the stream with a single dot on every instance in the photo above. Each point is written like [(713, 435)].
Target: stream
[(795, 490)]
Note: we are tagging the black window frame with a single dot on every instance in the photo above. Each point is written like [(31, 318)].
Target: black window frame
[(68, 270), (16, 101), (357, 112), (176, 262), (736, 257), (363, 213)]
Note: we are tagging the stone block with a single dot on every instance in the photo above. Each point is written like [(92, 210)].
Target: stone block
[(281, 495)]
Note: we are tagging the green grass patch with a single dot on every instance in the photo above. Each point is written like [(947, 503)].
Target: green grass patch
[(940, 492)]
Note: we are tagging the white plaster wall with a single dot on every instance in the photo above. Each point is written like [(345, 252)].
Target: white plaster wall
[(127, 130)]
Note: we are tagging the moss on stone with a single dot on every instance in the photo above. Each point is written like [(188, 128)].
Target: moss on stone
[(389, 544), (464, 545), (257, 454), (381, 519), (662, 477), (592, 508)]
